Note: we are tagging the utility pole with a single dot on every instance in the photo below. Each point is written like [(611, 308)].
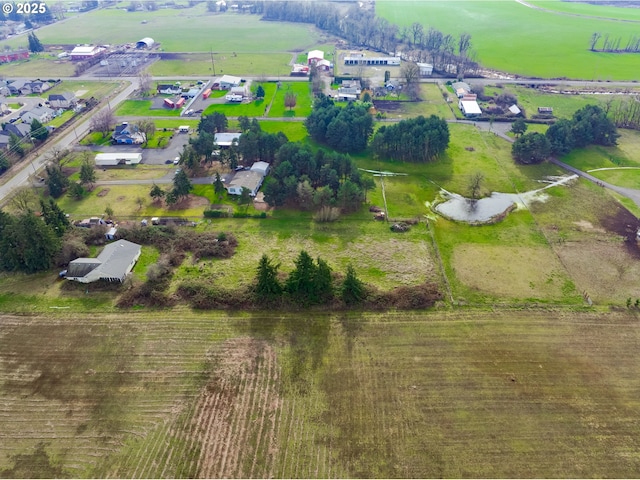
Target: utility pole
[(213, 66)]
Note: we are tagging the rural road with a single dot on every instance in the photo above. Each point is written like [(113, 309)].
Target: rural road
[(625, 192), (21, 177)]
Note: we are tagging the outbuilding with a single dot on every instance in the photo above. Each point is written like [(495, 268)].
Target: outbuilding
[(113, 264), (146, 42), (470, 108), (426, 69), (114, 159), (227, 82)]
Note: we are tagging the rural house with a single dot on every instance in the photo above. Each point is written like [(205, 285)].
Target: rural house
[(225, 139), (469, 108), (461, 89), (126, 134), (169, 89), (113, 264), (351, 87), (314, 56), (249, 179), (64, 100)]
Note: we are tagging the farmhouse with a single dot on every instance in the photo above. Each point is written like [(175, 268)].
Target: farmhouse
[(228, 81), (169, 89), (351, 87), (225, 140), (63, 100), (426, 69), (314, 56), (299, 70), (86, 52), (126, 134), (461, 89), (113, 159), (251, 179), (112, 265), (368, 61), (469, 108)]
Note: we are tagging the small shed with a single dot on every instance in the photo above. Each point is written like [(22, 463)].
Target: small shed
[(515, 110)]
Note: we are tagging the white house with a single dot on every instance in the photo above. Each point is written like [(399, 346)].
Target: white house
[(226, 139), (426, 69), (169, 89)]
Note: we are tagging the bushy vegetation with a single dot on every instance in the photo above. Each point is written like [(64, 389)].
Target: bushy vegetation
[(416, 140)]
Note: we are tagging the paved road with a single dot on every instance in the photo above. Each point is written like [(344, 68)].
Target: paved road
[(625, 192), (21, 177)]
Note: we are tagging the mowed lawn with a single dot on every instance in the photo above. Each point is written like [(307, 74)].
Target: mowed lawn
[(304, 100), (409, 395), (512, 37), (142, 108)]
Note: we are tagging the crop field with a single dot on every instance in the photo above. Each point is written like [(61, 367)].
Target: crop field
[(512, 37), (178, 394)]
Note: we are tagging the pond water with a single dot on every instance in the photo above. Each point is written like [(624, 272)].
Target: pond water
[(493, 208)]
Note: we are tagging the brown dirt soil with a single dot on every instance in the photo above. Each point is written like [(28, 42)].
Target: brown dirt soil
[(234, 412), (103, 192), (190, 201), (624, 224)]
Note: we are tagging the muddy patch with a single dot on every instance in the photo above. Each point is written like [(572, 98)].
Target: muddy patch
[(625, 224), (103, 192)]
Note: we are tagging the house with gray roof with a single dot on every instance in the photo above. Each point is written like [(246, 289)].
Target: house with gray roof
[(42, 114), (21, 130), (113, 264), (62, 100)]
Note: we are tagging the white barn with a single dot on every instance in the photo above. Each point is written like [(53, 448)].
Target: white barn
[(469, 108)]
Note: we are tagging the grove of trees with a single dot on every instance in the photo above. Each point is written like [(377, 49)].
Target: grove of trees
[(344, 129), (415, 140)]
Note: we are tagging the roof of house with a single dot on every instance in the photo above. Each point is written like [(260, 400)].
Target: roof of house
[(68, 96), (113, 262), (470, 107), (38, 112), (20, 129), (246, 178), (315, 54), (83, 50), (226, 139), (260, 167)]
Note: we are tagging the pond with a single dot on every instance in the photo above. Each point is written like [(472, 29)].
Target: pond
[(494, 208)]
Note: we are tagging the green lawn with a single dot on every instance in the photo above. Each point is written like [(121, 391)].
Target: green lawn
[(61, 119), (295, 131), (304, 100), (40, 66), (85, 88), (142, 108)]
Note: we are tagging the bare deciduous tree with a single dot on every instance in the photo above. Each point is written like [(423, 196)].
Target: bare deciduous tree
[(102, 121)]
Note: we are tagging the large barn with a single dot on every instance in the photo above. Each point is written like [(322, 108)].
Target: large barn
[(86, 52), (146, 42)]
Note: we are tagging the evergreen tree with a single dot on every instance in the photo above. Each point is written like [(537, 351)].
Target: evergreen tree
[(16, 145), (260, 92), (519, 127), (28, 244), (56, 181), (38, 131), (323, 282), (300, 283), (34, 44), (353, 290), (156, 193), (531, 148), (87, 172), (76, 190), (181, 184), (268, 287), (4, 163), (218, 186), (53, 216)]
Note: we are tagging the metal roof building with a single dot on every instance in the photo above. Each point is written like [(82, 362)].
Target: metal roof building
[(113, 159), (112, 265)]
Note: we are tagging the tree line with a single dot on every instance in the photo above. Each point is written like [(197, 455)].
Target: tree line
[(588, 126), (614, 44), (447, 53)]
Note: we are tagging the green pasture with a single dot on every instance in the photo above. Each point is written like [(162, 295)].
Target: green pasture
[(304, 100), (295, 131), (142, 108), (231, 63), (591, 10), (511, 37), (38, 66), (85, 88), (178, 30)]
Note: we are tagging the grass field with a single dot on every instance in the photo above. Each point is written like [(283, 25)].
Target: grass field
[(142, 108), (505, 33), (230, 63), (49, 67), (184, 30), (441, 394)]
